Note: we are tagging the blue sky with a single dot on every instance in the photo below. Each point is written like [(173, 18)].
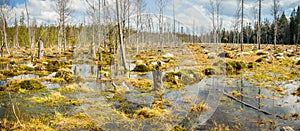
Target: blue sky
[(187, 11)]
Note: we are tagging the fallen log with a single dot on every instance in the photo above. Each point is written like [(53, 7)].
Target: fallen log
[(251, 106)]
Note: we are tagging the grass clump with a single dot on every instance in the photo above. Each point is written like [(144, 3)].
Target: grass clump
[(66, 74)]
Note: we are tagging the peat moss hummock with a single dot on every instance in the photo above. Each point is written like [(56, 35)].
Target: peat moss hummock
[(27, 84), (66, 74)]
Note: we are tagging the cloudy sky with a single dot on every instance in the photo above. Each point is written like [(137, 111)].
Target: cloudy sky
[(188, 12)]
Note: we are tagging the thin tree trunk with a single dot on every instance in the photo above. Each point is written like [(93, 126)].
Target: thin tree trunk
[(121, 37), (259, 25)]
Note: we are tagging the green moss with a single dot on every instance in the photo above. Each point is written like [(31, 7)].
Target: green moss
[(53, 99), (141, 68), (179, 128), (31, 84), (66, 74), (27, 84), (172, 80), (23, 67), (55, 80)]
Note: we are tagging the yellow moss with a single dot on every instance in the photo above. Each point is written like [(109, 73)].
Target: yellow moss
[(148, 112), (142, 84), (199, 108), (77, 121), (68, 88)]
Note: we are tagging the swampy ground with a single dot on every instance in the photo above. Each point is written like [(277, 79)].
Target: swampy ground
[(73, 91)]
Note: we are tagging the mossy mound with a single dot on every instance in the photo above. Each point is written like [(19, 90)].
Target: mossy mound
[(53, 99), (142, 84), (28, 84), (66, 74), (172, 80), (233, 67), (148, 113), (141, 68)]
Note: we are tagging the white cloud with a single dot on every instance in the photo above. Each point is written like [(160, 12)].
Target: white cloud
[(186, 11)]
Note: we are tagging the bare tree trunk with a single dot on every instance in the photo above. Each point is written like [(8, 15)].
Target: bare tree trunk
[(157, 79), (40, 49), (242, 26), (275, 12), (121, 37), (259, 24)]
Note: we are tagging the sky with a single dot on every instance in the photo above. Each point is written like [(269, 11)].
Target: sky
[(189, 12)]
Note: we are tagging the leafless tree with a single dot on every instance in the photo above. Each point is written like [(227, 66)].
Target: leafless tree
[(242, 26), (63, 8), (259, 24), (5, 11), (274, 12), (161, 5), (16, 33), (92, 11), (215, 7), (121, 38)]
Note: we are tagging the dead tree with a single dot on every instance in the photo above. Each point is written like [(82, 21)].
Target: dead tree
[(259, 24), (161, 5), (242, 26), (63, 8), (4, 14), (40, 49), (121, 38), (275, 15), (157, 79)]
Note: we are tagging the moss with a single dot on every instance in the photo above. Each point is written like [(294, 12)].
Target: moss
[(68, 88), (141, 68), (66, 74), (172, 80), (55, 80), (77, 121), (142, 84), (199, 107), (27, 84), (179, 128), (53, 99), (22, 67), (31, 84), (148, 113), (209, 71)]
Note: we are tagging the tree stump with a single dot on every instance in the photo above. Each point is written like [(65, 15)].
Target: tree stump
[(40, 49), (157, 79)]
